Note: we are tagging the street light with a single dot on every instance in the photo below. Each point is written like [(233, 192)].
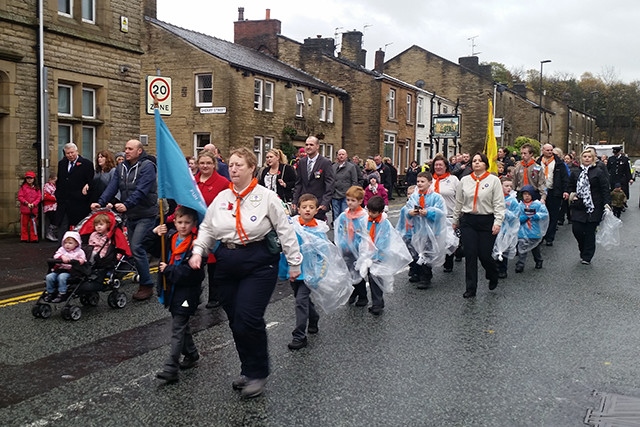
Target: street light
[(540, 103)]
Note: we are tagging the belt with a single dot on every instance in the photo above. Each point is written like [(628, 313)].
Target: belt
[(231, 245)]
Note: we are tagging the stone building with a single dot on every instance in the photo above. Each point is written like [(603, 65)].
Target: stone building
[(91, 61), (232, 95)]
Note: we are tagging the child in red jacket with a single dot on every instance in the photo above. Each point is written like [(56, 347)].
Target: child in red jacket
[(50, 206), (29, 197)]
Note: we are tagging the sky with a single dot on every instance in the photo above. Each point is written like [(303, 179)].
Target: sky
[(578, 36)]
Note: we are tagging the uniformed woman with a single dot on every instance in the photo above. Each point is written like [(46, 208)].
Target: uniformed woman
[(246, 219)]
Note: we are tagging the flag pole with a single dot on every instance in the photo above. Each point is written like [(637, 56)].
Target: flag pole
[(163, 249)]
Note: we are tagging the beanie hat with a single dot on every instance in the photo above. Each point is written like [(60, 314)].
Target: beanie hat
[(375, 175)]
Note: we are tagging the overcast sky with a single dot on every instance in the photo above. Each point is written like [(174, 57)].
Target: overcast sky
[(576, 35)]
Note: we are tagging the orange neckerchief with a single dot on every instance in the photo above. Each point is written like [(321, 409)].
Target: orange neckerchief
[(475, 194), (312, 222), (372, 230), (421, 199), (526, 166), (437, 177), (352, 215), (179, 250), (546, 166), (239, 196)]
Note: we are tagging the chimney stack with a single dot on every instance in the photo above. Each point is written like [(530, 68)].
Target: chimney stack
[(351, 49), (150, 8), (378, 65), (241, 14), (268, 14), (261, 35)]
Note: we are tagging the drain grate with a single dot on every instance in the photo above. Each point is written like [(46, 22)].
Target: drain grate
[(615, 410)]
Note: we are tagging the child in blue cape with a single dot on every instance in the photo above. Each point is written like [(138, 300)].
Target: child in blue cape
[(391, 254), (427, 214), (534, 220), (507, 240), (323, 272)]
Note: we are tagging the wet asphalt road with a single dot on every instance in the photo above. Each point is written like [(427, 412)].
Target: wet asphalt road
[(528, 354)]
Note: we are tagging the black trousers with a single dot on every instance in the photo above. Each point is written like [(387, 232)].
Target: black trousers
[(554, 203), (585, 234), (478, 241), (181, 342)]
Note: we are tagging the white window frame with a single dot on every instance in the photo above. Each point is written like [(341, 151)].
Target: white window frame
[(70, 113), (390, 139), (93, 103), (392, 103), (326, 150), (409, 105), (93, 142), (198, 143), (330, 109), (420, 112), (201, 90), (61, 144), (257, 148), (323, 108), (268, 96), (92, 5), (257, 94), (63, 13), (299, 103)]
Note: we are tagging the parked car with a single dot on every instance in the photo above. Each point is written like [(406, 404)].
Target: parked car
[(635, 169)]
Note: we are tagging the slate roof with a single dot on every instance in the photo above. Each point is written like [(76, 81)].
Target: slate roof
[(245, 58)]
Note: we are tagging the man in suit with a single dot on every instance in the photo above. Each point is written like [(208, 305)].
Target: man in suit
[(75, 175), (315, 176)]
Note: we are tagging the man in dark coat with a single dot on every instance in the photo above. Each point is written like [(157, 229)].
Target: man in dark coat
[(75, 175), (619, 170), (557, 186), (315, 176), (386, 177)]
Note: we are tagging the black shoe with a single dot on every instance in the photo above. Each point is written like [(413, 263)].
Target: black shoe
[(362, 302), (502, 275), (190, 361), (376, 310), (468, 294), (59, 298), (585, 262), (560, 223), (538, 265), (414, 278), (239, 383), (297, 344), (458, 259), (313, 327), (169, 377), (353, 297), (549, 243), (519, 268), (47, 297), (448, 269), (213, 304), (425, 284), (493, 284)]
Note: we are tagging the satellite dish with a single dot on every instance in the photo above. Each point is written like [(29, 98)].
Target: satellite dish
[(420, 83)]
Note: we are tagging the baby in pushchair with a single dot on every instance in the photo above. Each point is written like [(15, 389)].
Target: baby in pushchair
[(104, 263)]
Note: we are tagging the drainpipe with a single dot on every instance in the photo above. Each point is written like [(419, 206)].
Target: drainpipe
[(42, 98), (431, 125)]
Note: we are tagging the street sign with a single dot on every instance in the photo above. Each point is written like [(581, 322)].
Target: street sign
[(160, 88), (497, 127)]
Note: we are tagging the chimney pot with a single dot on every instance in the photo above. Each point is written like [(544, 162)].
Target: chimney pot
[(241, 14), (268, 16)]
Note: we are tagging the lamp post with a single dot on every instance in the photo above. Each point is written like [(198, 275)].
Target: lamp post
[(540, 103)]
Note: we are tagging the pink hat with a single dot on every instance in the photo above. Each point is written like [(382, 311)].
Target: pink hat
[(301, 150), (30, 174)]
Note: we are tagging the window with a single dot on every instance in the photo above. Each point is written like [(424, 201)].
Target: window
[(299, 103), (409, 102), (268, 96), (65, 100), (262, 95), (323, 108), (204, 90), (420, 116), (65, 7), (64, 136), (330, 110), (89, 103), (260, 147), (389, 145), (392, 104), (257, 94), (326, 150), (88, 11), (88, 141), (200, 140)]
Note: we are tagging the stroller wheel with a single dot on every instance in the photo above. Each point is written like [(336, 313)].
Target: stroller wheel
[(35, 310), (75, 312), (45, 311), (115, 283), (121, 300), (136, 278)]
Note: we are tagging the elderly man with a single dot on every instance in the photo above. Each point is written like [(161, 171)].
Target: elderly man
[(222, 168), (135, 178), (75, 174), (315, 176), (346, 175), (556, 182)]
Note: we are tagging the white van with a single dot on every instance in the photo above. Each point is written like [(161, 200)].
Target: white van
[(606, 149)]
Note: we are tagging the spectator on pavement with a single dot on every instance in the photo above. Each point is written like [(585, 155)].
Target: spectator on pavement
[(346, 175), (315, 176), (278, 176), (222, 167), (394, 176)]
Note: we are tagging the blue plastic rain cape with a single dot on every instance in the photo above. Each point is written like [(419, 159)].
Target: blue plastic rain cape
[(430, 237), (323, 269), (390, 257), (534, 221), (353, 242), (507, 240)]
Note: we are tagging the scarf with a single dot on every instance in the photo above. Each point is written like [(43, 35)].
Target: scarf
[(475, 194), (583, 188), (351, 216), (421, 199), (179, 249), (372, 227), (546, 164), (373, 189), (438, 178), (524, 172), (239, 196), (311, 223)]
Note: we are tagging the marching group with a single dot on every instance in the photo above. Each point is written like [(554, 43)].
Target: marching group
[(248, 239)]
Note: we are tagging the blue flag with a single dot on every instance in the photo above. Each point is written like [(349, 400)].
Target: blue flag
[(175, 180)]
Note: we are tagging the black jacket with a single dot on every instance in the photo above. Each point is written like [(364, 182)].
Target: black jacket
[(288, 175), (600, 194), (560, 178)]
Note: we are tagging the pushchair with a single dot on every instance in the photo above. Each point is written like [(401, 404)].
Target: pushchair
[(98, 274)]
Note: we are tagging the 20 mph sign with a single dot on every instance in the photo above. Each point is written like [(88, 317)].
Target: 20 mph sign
[(160, 89)]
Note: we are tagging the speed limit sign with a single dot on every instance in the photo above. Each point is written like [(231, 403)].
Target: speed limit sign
[(159, 88)]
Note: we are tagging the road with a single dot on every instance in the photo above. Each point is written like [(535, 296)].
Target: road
[(530, 353)]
